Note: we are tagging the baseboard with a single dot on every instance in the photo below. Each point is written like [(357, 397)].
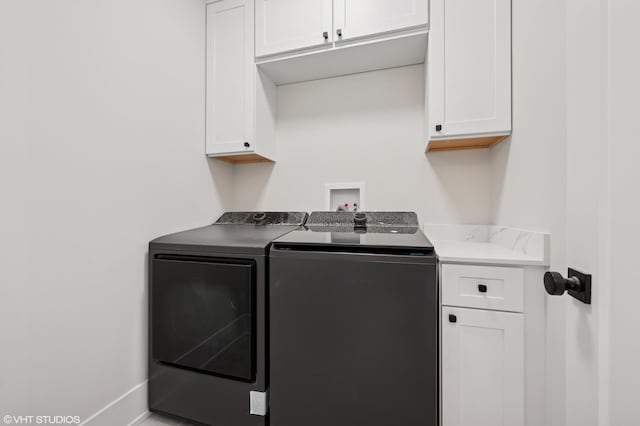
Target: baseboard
[(126, 410), (140, 418)]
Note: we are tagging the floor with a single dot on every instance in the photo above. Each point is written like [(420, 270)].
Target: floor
[(156, 420)]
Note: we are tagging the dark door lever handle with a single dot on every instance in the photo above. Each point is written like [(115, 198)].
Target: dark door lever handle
[(557, 285), (578, 284)]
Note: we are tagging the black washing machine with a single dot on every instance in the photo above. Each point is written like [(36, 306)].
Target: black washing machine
[(354, 323), (207, 319)]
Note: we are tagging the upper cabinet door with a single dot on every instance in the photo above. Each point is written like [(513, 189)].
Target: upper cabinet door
[(361, 18), (285, 25), (230, 76), (469, 68)]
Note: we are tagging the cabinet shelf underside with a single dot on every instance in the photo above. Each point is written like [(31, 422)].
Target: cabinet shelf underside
[(242, 159), (438, 145)]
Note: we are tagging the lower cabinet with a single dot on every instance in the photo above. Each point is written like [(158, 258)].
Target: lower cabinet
[(482, 367)]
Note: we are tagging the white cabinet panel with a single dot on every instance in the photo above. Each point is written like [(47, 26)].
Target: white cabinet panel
[(482, 368), (229, 76), (360, 18), (240, 100), (285, 25), (483, 287), (469, 62)]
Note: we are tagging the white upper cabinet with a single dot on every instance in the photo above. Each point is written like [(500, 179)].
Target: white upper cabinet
[(229, 50), (240, 113), (361, 18), (469, 71), (286, 25)]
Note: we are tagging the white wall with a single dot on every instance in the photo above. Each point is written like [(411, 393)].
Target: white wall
[(528, 169), (365, 127), (101, 150)]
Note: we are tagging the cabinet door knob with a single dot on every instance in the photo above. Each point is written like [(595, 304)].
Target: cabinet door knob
[(339, 32), (247, 144), (438, 127), (325, 35), (482, 288), (453, 318)]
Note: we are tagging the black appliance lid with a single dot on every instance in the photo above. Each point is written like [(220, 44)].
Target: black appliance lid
[(386, 243), (365, 232), (234, 232)]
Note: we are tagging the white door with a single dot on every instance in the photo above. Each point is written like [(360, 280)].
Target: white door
[(230, 77), (602, 212), (603, 207), (360, 18), (469, 57), (482, 368), (286, 25), (586, 176)]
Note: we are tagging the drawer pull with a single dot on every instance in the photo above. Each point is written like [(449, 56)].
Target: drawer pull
[(453, 318), (482, 288)]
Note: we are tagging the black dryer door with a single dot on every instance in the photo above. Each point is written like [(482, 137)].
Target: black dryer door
[(202, 314)]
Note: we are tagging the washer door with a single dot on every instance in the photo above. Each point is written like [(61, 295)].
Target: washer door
[(202, 314)]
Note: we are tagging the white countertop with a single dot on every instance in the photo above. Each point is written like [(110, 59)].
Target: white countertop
[(484, 253), (488, 244)]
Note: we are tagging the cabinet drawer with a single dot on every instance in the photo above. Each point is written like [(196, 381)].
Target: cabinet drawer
[(483, 287)]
